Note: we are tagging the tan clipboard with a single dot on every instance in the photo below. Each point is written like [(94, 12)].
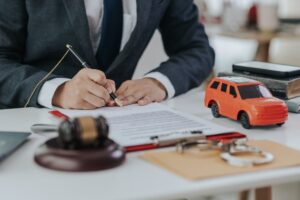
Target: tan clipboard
[(195, 164)]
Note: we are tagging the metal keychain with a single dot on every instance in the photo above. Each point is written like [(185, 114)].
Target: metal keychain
[(230, 151)]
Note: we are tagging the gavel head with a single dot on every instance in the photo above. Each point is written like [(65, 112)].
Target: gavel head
[(83, 132)]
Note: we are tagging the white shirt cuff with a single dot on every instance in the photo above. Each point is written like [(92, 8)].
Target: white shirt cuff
[(47, 92), (165, 81)]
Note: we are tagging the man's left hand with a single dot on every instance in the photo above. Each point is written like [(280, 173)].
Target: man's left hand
[(142, 91)]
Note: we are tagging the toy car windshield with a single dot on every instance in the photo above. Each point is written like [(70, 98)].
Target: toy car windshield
[(254, 91)]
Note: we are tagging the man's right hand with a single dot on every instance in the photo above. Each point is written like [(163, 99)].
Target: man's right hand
[(88, 89)]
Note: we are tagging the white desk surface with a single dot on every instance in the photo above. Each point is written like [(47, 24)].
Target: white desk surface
[(21, 178)]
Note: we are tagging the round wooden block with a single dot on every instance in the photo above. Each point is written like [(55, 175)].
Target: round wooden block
[(51, 155)]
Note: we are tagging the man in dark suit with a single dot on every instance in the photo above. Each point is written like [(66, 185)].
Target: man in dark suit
[(111, 36)]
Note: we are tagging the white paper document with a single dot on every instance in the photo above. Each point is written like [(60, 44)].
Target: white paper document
[(136, 125)]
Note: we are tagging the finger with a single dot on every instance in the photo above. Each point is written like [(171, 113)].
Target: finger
[(129, 100), (132, 90), (133, 96), (145, 101), (94, 100), (122, 89), (97, 76), (98, 90), (111, 104), (83, 105), (110, 86), (88, 106), (113, 85)]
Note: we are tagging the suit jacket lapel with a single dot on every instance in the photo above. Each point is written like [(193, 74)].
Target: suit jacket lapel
[(143, 12), (78, 19)]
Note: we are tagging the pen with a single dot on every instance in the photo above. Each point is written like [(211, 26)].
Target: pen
[(43, 128), (84, 64), (59, 115)]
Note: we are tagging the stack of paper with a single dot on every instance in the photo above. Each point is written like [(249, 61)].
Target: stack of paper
[(135, 125)]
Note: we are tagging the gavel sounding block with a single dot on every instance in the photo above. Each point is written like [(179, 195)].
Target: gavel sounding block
[(51, 155)]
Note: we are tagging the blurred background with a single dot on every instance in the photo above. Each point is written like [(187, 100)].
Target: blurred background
[(242, 30)]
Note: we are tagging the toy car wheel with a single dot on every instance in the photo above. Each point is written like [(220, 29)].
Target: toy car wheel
[(280, 124), (215, 110), (244, 119)]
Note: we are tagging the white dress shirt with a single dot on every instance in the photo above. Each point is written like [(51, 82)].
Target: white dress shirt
[(94, 11)]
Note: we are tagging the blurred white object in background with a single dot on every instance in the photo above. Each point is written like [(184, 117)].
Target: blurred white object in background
[(235, 14), (289, 9), (285, 51), (214, 7), (231, 50), (268, 19)]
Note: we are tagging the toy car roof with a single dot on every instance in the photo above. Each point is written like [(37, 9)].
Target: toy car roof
[(238, 79)]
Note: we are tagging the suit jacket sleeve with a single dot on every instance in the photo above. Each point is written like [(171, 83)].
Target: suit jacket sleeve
[(191, 57), (17, 79)]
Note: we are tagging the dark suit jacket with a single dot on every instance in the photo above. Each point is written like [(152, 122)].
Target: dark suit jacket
[(33, 35)]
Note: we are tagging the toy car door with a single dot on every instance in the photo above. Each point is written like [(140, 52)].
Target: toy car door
[(233, 102), (223, 98)]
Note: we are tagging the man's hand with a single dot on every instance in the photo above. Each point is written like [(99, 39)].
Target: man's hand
[(88, 89), (142, 91)]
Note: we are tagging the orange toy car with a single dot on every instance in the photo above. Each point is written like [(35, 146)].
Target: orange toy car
[(245, 100)]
